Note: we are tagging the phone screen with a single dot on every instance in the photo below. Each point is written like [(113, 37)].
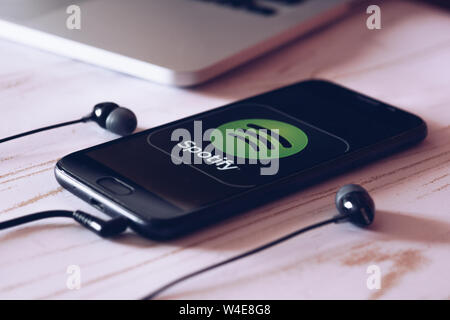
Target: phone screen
[(210, 157), (186, 164)]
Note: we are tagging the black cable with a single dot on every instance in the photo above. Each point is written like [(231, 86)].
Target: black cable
[(103, 228), (116, 226), (240, 256), (84, 119), (34, 217)]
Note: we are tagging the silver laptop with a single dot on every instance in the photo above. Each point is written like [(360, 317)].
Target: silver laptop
[(176, 42)]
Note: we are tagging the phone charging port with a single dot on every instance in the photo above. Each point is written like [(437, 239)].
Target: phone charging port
[(96, 204)]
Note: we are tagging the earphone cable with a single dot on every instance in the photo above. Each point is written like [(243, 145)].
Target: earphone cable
[(172, 283), (34, 217), (105, 229), (23, 134)]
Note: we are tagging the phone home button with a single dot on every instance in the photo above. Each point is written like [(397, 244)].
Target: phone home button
[(115, 186)]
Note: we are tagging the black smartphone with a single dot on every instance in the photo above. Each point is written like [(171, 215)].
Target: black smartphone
[(187, 174)]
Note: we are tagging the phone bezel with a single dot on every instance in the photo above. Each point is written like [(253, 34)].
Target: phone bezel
[(78, 174)]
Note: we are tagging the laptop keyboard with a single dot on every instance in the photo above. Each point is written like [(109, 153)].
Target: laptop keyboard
[(260, 7)]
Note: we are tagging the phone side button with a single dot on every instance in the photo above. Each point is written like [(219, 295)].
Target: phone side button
[(115, 186)]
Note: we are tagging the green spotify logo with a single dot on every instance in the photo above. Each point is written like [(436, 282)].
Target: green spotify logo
[(259, 139)]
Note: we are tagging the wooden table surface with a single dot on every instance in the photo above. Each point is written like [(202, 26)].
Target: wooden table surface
[(406, 63)]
